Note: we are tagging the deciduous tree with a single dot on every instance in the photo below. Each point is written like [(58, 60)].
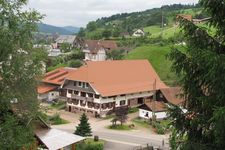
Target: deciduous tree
[(19, 70)]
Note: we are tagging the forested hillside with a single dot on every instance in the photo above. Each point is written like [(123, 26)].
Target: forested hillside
[(118, 24)]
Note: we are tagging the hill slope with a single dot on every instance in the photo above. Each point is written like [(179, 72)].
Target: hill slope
[(68, 30)]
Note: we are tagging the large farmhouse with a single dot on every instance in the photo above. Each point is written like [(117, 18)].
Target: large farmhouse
[(99, 87), (95, 50)]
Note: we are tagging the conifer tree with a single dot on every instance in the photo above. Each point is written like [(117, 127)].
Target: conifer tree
[(202, 69), (83, 128)]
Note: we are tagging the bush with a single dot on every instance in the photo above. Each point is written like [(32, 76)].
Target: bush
[(133, 110), (75, 63), (89, 144), (159, 128)]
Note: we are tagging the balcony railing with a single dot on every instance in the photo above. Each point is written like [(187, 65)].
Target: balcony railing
[(89, 99)]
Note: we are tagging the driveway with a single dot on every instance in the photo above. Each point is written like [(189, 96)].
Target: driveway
[(115, 140)]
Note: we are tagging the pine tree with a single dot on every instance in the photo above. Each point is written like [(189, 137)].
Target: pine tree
[(202, 69), (84, 128)]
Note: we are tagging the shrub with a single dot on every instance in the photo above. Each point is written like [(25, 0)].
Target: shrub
[(90, 144), (74, 63)]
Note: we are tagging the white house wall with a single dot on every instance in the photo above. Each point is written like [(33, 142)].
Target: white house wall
[(118, 98), (49, 96), (159, 115)]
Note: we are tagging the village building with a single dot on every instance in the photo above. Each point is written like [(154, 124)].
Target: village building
[(184, 16), (138, 33), (69, 39), (203, 20), (48, 88), (95, 50), (97, 88), (53, 139), (165, 98)]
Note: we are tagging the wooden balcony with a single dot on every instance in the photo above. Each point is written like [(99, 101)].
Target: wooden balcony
[(89, 99)]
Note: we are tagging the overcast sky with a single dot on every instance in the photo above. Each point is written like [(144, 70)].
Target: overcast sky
[(80, 12)]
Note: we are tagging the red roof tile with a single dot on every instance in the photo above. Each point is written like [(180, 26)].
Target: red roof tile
[(57, 76), (118, 77), (172, 95), (45, 88), (95, 45)]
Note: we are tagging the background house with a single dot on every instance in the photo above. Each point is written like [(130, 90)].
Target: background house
[(95, 50), (69, 39), (138, 33)]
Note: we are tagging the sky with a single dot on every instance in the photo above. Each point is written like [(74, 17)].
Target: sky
[(79, 12)]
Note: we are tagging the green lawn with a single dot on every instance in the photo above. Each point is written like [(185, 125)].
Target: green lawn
[(156, 55), (156, 31), (119, 127), (59, 105), (141, 122)]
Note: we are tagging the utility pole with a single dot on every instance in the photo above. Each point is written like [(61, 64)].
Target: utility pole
[(162, 25), (154, 100)]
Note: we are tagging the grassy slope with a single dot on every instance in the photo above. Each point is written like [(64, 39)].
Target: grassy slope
[(156, 55), (168, 32)]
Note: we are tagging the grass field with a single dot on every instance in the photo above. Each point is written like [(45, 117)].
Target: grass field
[(168, 32), (156, 55)]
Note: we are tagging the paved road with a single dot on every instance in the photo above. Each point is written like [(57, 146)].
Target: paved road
[(120, 140), (116, 140)]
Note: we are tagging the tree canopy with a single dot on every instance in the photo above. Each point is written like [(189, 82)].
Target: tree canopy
[(19, 70), (201, 68)]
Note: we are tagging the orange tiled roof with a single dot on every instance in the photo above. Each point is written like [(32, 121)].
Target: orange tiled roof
[(95, 45), (45, 88), (185, 16), (155, 106), (57, 76), (172, 95), (118, 77)]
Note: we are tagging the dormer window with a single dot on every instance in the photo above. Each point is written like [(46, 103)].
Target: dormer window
[(86, 85)]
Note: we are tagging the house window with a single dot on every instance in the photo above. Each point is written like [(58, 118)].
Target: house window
[(83, 94), (97, 96), (75, 92), (79, 84), (123, 102), (160, 95), (90, 95), (146, 115), (75, 83), (86, 85), (70, 91), (83, 85)]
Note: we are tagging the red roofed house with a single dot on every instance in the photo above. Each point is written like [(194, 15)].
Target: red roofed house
[(165, 97), (48, 89), (95, 50), (98, 87)]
